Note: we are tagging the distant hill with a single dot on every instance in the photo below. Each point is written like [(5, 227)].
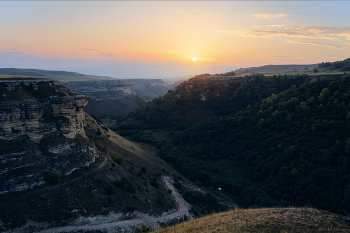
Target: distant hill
[(265, 220), (275, 69), (62, 76), (148, 88), (208, 96)]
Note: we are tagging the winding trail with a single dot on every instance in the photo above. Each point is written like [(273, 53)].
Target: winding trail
[(141, 219)]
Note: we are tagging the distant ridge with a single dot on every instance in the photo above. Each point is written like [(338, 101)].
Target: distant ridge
[(64, 76), (275, 69)]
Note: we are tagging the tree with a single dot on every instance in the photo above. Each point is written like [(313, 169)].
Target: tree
[(324, 95), (315, 70), (52, 177), (247, 202)]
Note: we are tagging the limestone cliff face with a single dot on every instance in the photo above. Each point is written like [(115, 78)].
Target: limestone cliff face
[(103, 90), (108, 97), (23, 114), (148, 88), (41, 129)]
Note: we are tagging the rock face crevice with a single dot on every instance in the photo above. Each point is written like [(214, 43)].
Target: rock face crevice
[(41, 129), (24, 115), (102, 90)]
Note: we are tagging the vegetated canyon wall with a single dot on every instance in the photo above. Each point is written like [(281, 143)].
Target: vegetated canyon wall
[(102, 90), (41, 129), (111, 98), (148, 88)]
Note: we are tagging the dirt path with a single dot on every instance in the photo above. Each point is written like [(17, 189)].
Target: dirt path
[(141, 219), (20, 197)]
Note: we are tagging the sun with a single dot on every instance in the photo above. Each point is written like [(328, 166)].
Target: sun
[(194, 58)]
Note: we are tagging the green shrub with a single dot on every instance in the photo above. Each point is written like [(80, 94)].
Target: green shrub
[(51, 177), (117, 160)]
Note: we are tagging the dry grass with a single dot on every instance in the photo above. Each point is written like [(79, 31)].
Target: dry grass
[(266, 220)]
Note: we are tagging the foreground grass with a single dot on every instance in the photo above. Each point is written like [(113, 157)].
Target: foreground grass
[(266, 220)]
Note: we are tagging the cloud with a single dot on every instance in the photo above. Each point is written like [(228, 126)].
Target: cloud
[(276, 57), (315, 43), (203, 10), (12, 52), (92, 49), (310, 32), (346, 43), (170, 51), (105, 54), (269, 16)]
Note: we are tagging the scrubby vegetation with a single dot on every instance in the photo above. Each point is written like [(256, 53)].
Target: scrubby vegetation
[(265, 220)]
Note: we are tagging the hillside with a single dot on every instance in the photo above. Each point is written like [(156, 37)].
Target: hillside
[(292, 149), (275, 69), (148, 88), (108, 98), (265, 220), (276, 140), (202, 97), (62, 76), (52, 151)]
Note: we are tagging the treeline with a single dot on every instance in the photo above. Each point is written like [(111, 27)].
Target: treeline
[(210, 97), (342, 65), (296, 143)]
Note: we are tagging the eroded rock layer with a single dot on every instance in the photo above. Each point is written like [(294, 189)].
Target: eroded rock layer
[(41, 129)]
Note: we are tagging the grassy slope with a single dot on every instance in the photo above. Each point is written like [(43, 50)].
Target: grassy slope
[(276, 69), (87, 194), (265, 220), (135, 155), (61, 76)]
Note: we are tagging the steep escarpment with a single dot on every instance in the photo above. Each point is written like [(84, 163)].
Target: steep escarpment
[(148, 88), (108, 98), (59, 166), (41, 129)]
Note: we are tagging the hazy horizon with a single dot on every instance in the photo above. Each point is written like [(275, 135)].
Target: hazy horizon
[(160, 39)]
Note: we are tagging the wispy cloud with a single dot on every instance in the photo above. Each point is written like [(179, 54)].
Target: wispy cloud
[(92, 49), (269, 16), (315, 43), (346, 43), (106, 54), (204, 10), (170, 51), (276, 57), (310, 32)]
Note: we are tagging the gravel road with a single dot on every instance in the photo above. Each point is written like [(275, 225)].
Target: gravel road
[(139, 220)]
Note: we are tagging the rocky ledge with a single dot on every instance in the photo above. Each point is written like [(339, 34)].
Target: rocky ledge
[(41, 129)]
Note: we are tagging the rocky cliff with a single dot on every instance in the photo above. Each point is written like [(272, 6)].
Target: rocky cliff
[(102, 90), (41, 129), (148, 88), (108, 97)]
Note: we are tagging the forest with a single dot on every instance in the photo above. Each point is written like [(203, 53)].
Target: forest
[(278, 140), (296, 144)]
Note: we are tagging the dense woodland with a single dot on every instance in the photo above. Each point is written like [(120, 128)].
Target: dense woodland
[(297, 144), (289, 133), (176, 109)]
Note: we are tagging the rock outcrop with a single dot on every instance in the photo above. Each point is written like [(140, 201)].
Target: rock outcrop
[(108, 97), (41, 129), (148, 88), (102, 90)]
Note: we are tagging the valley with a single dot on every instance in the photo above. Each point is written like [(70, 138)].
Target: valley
[(214, 143)]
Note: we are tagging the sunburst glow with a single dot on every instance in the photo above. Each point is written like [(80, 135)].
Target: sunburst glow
[(194, 58)]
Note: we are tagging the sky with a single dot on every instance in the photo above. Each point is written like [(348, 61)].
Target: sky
[(163, 38)]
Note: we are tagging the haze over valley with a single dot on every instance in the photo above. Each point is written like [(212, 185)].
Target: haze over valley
[(164, 116)]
